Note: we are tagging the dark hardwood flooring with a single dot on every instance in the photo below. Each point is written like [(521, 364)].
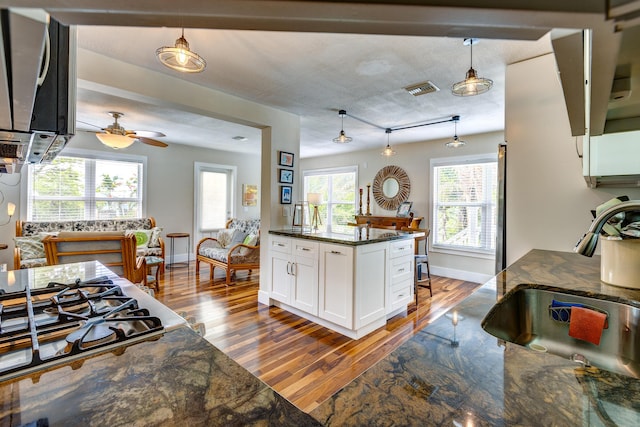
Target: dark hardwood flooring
[(304, 362)]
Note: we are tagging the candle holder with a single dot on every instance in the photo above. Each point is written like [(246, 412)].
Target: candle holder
[(368, 199), (360, 210)]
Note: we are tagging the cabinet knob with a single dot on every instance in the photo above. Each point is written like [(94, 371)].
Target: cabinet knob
[(336, 252)]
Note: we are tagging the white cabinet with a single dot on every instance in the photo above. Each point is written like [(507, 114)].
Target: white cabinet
[(336, 284), (305, 276), (351, 289), (370, 285), (280, 264), (401, 275), (294, 272)]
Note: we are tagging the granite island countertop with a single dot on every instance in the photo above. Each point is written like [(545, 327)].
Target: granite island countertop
[(355, 236), (177, 380), (455, 373)]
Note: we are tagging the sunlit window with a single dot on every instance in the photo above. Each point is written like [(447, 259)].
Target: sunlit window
[(464, 204), (78, 188), (338, 189)]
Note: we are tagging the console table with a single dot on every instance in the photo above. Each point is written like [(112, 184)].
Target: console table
[(386, 221)]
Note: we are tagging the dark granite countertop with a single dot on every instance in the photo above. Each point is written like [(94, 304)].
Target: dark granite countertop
[(354, 237), (178, 380), (460, 375)]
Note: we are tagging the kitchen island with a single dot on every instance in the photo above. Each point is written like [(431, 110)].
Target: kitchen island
[(454, 373), (349, 282)]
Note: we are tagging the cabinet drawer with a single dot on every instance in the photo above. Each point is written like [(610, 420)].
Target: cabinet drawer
[(305, 248), (281, 245), (401, 248), (401, 270), (401, 296)]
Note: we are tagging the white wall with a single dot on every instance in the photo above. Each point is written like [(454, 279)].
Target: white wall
[(548, 201), (414, 159)]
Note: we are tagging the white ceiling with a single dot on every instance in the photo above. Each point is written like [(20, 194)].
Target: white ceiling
[(312, 75)]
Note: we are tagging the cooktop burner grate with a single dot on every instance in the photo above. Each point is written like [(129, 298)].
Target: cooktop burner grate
[(64, 321)]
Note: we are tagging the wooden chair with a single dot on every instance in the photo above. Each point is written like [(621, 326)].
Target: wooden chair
[(114, 250)]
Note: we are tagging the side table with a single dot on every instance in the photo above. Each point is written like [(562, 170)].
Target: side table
[(174, 236)]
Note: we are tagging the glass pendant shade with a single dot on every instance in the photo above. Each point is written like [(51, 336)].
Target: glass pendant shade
[(342, 138), (455, 142), (180, 57), (388, 151), (115, 141), (472, 84)]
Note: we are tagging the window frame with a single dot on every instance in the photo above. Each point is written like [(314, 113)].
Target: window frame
[(25, 188), (485, 205), (332, 171)]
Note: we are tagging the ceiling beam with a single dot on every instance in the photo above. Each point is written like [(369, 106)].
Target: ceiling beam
[(528, 20)]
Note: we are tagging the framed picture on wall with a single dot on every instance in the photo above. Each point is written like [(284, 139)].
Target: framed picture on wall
[(285, 159), (285, 176), (249, 195), (286, 192)]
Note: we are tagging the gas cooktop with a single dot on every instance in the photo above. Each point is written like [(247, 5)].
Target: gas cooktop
[(52, 315)]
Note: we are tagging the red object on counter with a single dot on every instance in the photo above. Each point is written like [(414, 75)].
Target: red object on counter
[(586, 325)]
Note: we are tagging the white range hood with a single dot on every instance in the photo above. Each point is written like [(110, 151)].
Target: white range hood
[(612, 160)]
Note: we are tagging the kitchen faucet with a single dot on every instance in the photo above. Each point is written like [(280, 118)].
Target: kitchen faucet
[(587, 244)]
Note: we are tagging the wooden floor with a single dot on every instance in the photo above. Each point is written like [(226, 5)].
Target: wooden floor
[(304, 362)]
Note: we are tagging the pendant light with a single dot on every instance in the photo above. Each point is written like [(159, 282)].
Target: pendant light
[(388, 151), (342, 138), (455, 142), (180, 58), (472, 84)]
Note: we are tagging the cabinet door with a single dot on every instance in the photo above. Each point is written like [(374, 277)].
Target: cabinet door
[(336, 284), (305, 284), (281, 266)]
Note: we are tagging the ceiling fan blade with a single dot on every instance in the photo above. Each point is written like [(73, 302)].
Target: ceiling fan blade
[(147, 133), (153, 142)]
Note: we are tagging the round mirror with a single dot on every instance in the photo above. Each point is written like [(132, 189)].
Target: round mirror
[(391, 187)]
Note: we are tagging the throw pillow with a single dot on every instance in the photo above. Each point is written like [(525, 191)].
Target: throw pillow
[(154, 241), (142, 237), (250, 240), (224, 237), (31, 247), (238, 237)]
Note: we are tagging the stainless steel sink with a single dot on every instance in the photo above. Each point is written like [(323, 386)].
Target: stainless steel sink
[(524, 317)]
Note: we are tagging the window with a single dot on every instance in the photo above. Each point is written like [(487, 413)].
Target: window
[(338, 189), (214, 196), (74, 187), (464, 204)]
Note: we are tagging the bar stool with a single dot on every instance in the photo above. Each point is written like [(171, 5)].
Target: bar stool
[(421, 262)]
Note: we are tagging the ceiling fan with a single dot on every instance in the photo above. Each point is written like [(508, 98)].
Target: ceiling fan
[(117, 137)]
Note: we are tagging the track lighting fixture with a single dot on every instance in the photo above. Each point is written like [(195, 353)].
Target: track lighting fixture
[(472, 84), (455, 142), (342, 138)]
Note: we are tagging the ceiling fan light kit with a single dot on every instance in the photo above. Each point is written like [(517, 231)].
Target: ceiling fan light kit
[(342, 138), (117, 137), (180, 57), (472, 84)]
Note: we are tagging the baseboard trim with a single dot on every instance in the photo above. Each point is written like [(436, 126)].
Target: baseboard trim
[(453, 273)]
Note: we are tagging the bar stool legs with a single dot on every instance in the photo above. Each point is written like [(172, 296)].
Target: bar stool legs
[(420, 261)]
